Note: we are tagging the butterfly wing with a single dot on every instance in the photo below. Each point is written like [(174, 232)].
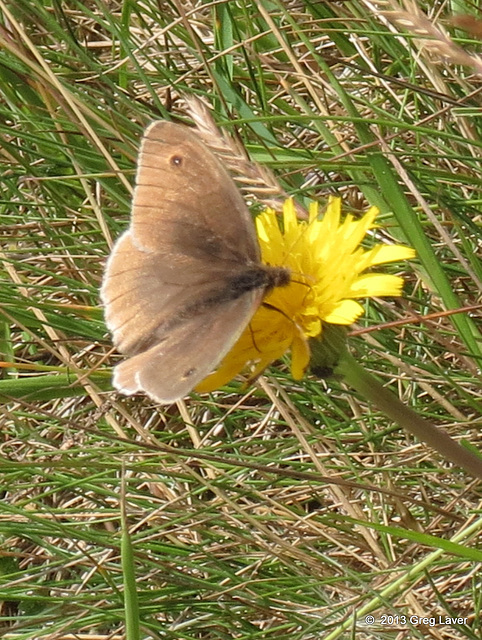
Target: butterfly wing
[(185, 203), (170, 369), (145, 297)]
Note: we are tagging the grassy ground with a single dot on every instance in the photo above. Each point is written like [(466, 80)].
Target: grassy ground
[(292, 510)]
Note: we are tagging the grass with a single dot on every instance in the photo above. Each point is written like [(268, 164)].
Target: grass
[(293, 509)]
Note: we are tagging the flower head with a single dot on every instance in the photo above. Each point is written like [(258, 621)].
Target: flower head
[(327, 267)]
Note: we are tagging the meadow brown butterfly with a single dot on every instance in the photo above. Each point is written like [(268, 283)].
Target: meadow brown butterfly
[(184, 280)]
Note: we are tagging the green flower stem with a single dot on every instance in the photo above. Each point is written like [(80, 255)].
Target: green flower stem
[(371, 389)]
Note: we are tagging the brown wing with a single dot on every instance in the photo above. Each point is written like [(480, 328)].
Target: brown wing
[(144, 296), (185, 203), (171, 369)]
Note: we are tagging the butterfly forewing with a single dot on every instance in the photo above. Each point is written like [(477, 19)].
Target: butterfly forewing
[(185, 203)]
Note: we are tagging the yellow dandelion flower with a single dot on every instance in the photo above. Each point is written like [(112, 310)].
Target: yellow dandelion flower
[(327, 265)]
